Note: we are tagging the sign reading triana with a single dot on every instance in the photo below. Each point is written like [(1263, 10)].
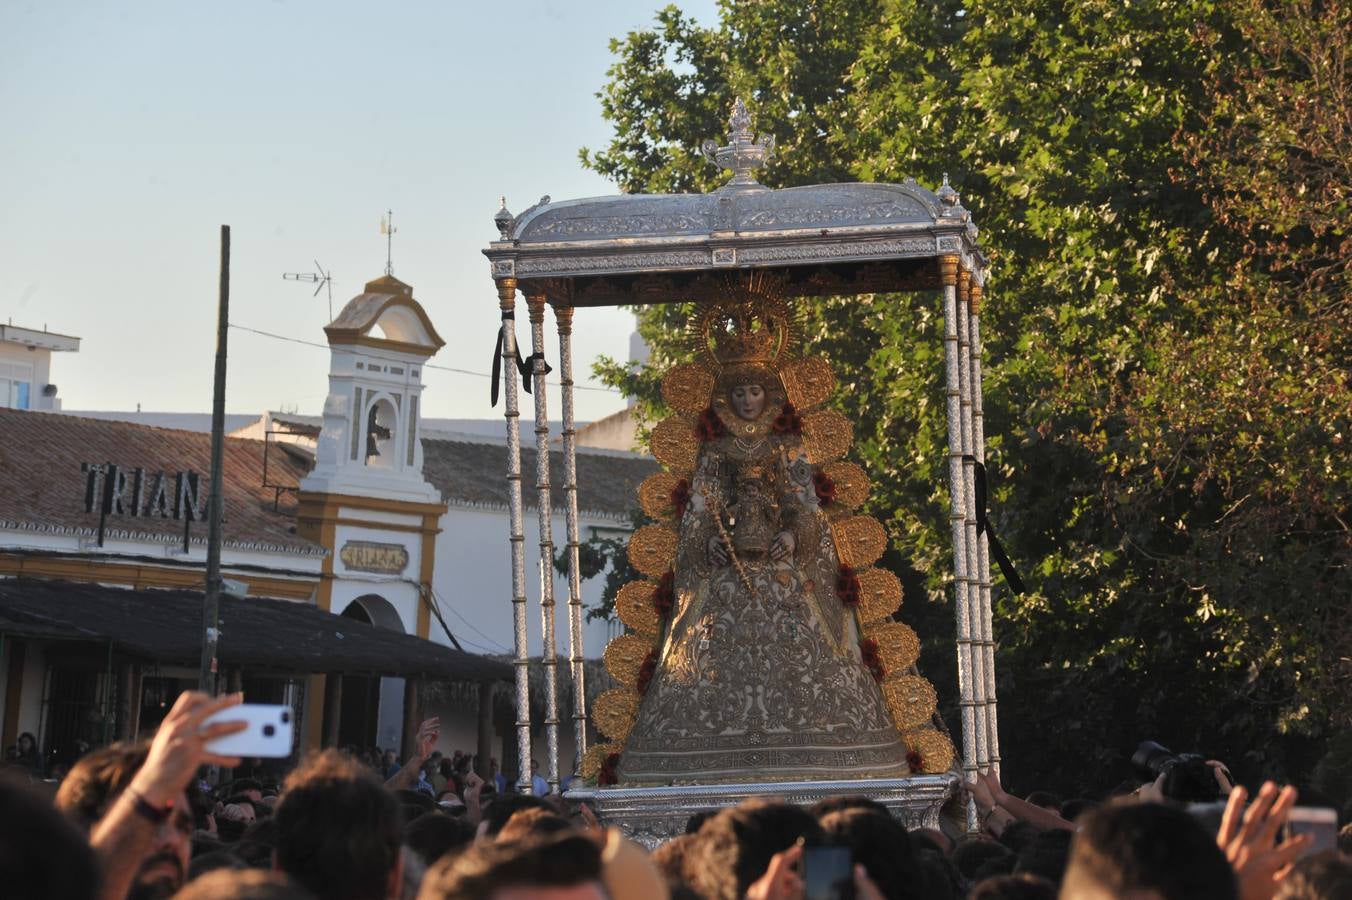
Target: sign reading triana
[(112, 491), (369, 556)]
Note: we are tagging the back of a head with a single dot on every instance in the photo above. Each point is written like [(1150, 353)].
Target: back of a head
[(973, 855), (1147, 847), (734, 848), (880, 844), (834, 804), (243, 884), (338, 829), (532, 823), (1046, 855), (1013, 887), (566, 860), (41, 853), (96, 780), (940, 879), (1323, 876), (433, 835), (501, 810)]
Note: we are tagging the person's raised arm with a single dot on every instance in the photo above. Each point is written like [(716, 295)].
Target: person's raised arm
[(126, 833), (1248, 838), (1022, 809), (407, 776)]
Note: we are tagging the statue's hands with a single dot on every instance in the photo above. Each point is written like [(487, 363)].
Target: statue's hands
[(718, 553), (782, 546)]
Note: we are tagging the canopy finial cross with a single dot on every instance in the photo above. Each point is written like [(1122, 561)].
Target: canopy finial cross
[(744, 152)]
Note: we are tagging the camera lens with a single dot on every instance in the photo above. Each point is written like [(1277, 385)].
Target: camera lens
[(286, 716), (269, 730)]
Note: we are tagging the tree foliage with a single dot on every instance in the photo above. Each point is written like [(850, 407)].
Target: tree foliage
[(1163, 189)]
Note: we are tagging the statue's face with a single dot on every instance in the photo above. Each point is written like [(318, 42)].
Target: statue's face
[(748, 400)]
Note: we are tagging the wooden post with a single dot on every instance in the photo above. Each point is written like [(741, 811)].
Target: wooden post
[(412, 715), (486, 729), (333, 709)]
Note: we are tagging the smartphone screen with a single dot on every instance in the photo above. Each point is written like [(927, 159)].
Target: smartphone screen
[(1318, 822), (828, 873)]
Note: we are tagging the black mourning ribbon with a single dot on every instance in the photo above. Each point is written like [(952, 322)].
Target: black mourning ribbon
[(983, 526), (526, 365)]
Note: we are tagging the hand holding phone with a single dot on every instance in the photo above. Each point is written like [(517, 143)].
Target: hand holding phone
[(1320, 823), (828, 873), (268, 732)]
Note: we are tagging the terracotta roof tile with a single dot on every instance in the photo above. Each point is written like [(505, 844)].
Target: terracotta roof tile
[(42, 487)]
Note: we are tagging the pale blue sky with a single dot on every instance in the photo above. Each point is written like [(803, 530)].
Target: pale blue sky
[(134, 130)]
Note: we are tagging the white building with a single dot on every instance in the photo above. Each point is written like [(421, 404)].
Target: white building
[(26, 366)]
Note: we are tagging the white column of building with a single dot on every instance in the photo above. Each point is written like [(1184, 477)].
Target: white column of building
[(507, 304), (536, 305), (563, 318), (958, 520)]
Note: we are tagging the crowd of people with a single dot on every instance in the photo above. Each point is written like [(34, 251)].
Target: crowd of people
[(136, 821)]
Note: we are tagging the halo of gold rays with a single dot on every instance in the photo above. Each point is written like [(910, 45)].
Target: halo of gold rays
[(595, 756), (634, 606), (898, 644), (827, 435), (911, 700), (757, 296), (936, 750), (860, 541), (654, 495), (879, 595), (674, 444), (614, 713), (686, 388), (807, 381), (624, 657), (851, 481), (652, 550)]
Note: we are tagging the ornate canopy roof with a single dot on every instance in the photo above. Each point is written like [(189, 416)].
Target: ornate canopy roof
[(825, 239)]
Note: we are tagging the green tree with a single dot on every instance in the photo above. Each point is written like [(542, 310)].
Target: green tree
[(1164, 413)]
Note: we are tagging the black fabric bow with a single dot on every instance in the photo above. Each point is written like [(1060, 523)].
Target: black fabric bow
[(983, 526), (526, 365)]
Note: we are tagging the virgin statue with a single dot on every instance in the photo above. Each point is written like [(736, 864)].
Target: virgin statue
[(763, 647)]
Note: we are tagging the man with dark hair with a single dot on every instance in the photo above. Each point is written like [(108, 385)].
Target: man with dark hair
[(565, 867), (133, 798), (1046, 855), (338, 830), (1146, 850), (503, 807), (880, 844), (734, 848), (433, 835), (41, 854), (1013, 887)]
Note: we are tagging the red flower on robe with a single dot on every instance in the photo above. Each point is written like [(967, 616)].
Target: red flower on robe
[(664, 595), (868, 650), (788, 421), (609, 773), (709, 427), (646, 672), (847, 587), (680, 497), (825, 488), (915, 761)]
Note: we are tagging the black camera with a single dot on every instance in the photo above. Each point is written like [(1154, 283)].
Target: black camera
[(1187, 777)]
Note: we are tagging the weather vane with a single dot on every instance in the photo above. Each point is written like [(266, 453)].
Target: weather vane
[(387, 228), (320, 277)]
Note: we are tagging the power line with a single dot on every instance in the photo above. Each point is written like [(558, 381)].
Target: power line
[(452, 369)]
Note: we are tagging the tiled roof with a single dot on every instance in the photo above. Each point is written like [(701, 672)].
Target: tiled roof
[(475, 474), (43, 489)]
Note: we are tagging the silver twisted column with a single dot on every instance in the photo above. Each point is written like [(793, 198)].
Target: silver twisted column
[(563, 318), (969, 524), (536, 305), (507, 303), (958, 519), (983, 546)]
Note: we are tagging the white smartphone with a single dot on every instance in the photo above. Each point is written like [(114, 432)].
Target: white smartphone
[(1318, 822), (270, 732)]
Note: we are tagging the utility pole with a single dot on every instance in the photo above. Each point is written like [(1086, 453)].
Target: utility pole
[(206, 676)]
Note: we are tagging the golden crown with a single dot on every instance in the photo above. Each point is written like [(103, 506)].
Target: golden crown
[(753, 325)]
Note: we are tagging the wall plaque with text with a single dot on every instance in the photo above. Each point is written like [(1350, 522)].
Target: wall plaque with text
[(369, 556)]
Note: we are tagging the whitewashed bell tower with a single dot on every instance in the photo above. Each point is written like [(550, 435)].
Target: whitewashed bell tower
[(370, 445)]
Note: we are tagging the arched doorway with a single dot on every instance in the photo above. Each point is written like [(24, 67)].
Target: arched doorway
[(370, 708)]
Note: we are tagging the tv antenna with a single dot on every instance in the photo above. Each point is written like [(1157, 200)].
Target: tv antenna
[(319, 277), (387, 228)]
